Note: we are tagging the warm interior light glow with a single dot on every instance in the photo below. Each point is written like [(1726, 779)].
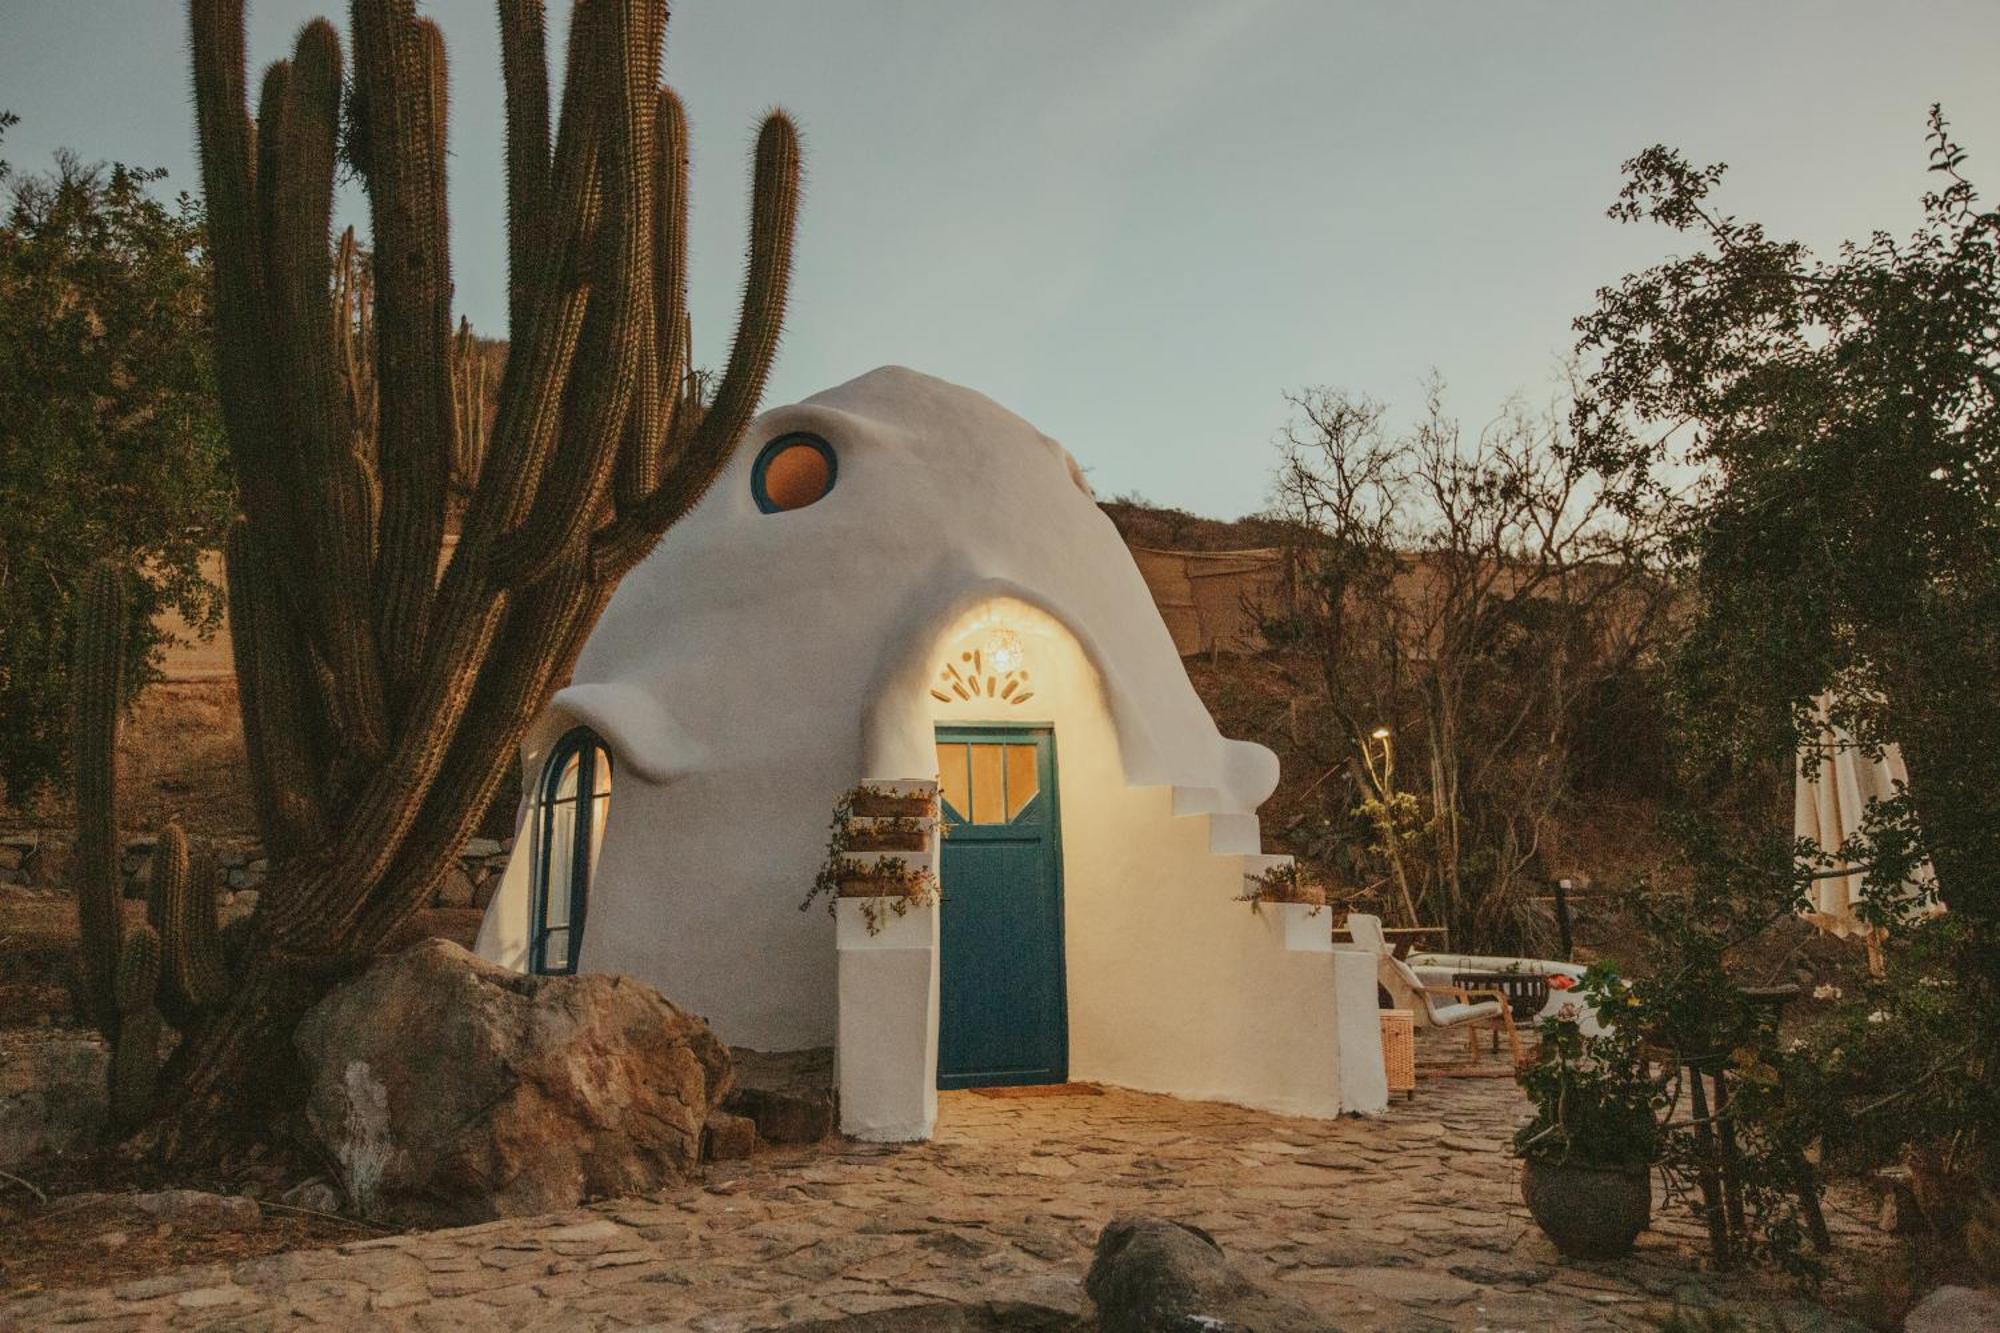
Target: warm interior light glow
[(1004, 651)]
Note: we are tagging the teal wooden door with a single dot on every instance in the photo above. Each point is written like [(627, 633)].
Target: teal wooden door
[(1002, 1014)]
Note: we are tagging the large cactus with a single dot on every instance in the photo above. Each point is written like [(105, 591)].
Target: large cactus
[(383, 686)]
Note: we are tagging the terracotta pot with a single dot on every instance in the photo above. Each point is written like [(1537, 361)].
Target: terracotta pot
[(1310, 897), (861, 887), (873, 806), (1590, 1212)]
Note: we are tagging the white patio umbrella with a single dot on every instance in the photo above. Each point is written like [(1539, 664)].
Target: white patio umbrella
[(1829, 807)]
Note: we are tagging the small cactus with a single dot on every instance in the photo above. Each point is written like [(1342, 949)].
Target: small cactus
[(98, 679), (135, 1052), (180, 903)]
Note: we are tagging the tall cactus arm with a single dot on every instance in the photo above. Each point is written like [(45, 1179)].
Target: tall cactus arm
[(554, 614), (606, 375), (98, 680), (663, 360), (228, 146), (399, 87), (285, 774), (299, 127), (524, 70), (767, 276), (541, 359)]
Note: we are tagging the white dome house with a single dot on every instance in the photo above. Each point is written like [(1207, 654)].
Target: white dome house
[(899, 580)]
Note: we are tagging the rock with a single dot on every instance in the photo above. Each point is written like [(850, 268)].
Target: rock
[(52, 1096), (728, 1138), (944, 1317), (789, 1094), (449, 1090), (201, 1210), (483, 890), (1955, 1310), (240, 904), (1150, 1275), (481, 848), (315, 1195), (456, 890), (11, 856)]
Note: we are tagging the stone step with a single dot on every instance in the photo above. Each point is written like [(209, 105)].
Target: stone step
[(788, 1094)]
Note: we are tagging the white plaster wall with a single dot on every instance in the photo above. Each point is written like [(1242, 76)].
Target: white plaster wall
[(757, 665), (1174, 985)]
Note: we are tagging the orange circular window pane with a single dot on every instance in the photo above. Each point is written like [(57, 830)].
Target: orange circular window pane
[(793, 474)]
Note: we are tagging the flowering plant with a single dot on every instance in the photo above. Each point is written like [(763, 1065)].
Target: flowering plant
[(1595, 1103)]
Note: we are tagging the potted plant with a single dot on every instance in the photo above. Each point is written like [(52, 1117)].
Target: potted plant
[(1282, 884), (1587, 1156)]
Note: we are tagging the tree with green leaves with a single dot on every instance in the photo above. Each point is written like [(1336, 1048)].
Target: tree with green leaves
[(110, 435), (1842, 543)]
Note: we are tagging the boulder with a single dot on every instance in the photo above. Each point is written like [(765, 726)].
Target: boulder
[(1150, 1275), (201, 1210), (448, 1090), (315, 1196), (1955, 1310)]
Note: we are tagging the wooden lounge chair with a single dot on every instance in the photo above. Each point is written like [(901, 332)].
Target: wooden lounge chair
[(1438, 1006)]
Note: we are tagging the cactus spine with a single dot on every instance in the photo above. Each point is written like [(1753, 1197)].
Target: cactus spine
[(135, 1051), (386, 679)]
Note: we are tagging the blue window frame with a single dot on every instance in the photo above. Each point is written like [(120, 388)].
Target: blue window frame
[(570, 809)]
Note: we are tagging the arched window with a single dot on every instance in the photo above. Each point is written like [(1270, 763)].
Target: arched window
[(570, 808)]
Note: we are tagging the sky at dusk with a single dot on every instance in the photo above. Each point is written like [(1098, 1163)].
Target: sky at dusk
[(1140, 224)]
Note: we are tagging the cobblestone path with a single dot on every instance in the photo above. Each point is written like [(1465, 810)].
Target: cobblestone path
[(1409, 1221)]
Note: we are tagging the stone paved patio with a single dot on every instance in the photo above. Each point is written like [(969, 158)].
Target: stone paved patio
[(1410, 1221)]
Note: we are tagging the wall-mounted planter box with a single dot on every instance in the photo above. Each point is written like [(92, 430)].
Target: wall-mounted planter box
[(891, 805), (1300, 927), (864, 838)]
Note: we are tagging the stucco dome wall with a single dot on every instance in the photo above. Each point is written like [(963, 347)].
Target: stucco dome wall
[(758, 664)]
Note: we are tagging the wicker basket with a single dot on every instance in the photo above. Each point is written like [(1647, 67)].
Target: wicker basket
[(1399, 1050)]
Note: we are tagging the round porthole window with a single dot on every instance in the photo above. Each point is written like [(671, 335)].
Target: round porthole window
[(792, 472)]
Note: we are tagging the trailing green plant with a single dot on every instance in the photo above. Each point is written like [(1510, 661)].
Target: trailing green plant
[(386, 677), (885, 884), (1285, 883), (1596, 1101)]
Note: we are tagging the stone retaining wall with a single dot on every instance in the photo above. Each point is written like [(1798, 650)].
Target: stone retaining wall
[(42, 859)]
